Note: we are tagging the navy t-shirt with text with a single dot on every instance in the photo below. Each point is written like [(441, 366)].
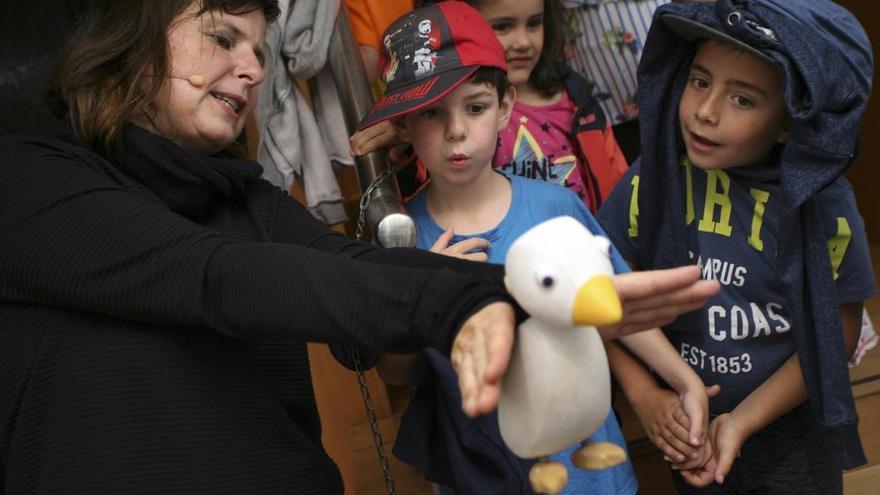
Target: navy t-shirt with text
[(743, 334)]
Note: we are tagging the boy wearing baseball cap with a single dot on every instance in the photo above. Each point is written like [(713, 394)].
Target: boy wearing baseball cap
[(448, 96), (750, 113)]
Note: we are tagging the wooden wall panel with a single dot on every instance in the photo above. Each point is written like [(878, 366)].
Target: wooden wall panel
[(341, 408)]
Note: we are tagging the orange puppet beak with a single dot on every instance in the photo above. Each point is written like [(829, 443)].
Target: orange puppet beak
[(596, 303)]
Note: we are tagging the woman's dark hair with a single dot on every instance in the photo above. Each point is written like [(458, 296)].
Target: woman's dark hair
[(112, 68), (545, 76)]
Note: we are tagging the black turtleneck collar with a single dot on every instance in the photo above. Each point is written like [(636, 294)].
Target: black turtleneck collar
[(188, 183)]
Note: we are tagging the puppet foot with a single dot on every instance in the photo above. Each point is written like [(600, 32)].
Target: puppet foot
[(548, 477), (598, 455)]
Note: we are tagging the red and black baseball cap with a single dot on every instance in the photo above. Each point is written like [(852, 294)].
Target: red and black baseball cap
[(428, 53)]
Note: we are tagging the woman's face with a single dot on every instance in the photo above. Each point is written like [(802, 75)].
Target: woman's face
[(206, 113)]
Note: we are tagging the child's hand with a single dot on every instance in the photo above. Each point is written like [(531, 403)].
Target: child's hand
[(695, 403), (373, 138), (660, 412), (702, 475), (727, 436), (461, 249), (702, 457)]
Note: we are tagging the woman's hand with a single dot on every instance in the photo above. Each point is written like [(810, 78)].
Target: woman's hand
[(655, 298), (372, 138), (461, 249), (480, 354)]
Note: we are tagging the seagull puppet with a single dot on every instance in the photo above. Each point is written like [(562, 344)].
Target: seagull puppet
[(556, 391)]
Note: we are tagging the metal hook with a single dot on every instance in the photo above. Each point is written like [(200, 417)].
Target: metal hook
[(733, 18)]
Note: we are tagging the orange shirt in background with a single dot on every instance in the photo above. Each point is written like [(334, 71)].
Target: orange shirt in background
[(369, 18)]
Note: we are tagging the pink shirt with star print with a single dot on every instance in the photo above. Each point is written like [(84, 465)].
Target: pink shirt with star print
[(537, 144)]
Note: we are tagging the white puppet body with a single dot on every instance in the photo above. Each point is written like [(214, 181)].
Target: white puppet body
[(556, 391), (543, 409)]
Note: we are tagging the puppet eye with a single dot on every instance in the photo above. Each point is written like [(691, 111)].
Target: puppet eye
[(546, 281)]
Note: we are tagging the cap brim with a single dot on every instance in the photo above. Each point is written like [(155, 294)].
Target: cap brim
[(694, 31), (410, 97)]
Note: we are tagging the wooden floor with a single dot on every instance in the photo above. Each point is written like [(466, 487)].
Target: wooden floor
[(653, 476)]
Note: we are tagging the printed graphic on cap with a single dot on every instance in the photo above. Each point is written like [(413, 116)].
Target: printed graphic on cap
[(423, 58), (412, 49)]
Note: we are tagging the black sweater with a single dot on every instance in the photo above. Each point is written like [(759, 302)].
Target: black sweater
[(154, 314)]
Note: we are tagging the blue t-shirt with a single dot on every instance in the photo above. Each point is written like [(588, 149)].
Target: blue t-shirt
[(468, 444), (743, 334)]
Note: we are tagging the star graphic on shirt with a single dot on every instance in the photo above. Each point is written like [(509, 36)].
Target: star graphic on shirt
[(545, 127), (523, 120), (526, 149), (566, 165)]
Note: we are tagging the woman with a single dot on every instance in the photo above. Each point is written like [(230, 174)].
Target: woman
[(156, 295)]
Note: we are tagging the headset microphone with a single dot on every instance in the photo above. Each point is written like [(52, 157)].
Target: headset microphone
[(196, 80)]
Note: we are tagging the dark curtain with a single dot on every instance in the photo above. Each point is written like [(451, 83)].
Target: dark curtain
[(31, 35)]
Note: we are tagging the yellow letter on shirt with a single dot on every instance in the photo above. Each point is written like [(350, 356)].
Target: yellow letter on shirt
[(634, 208), (717, 198), (838, 243), (761, 198)]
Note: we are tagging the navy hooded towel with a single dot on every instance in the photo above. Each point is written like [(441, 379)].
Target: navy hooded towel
[(827, 62)]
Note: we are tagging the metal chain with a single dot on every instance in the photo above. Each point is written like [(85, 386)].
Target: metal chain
[(368, 196), (374, 424), (356, 356)]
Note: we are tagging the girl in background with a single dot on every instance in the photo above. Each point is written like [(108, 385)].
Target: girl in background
[(558, 133)]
